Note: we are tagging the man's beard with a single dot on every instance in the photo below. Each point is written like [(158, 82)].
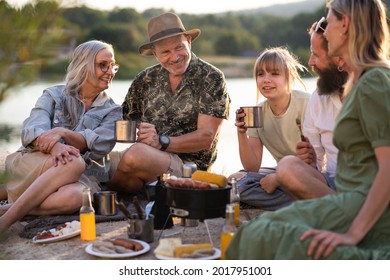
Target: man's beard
[(330, 79)]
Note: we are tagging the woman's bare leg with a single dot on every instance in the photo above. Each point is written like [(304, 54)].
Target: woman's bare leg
[(66, 200), (44, 186)]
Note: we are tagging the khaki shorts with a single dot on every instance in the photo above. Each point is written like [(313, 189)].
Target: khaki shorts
[(25, 168), (175, 167)]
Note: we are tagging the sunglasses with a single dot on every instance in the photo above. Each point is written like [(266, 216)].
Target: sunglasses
[(105, 66), (321, 26)]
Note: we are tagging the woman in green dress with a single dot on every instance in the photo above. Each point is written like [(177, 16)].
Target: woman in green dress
[(354, 223)]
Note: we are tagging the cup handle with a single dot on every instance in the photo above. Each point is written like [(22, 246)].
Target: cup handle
[(138, 229)]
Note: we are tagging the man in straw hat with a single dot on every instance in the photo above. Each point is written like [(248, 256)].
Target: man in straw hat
[(180, 103)]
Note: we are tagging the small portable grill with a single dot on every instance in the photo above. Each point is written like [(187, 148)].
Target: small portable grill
[(186, 203), (197, 204)]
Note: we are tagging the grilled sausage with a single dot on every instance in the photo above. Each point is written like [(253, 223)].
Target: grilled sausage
[(128, 244), (188, 183)]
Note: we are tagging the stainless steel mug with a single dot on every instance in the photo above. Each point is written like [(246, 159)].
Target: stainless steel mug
[(126, 131), (141, 229), (104, 203), (188, 222), (188, 169), (253, 116)]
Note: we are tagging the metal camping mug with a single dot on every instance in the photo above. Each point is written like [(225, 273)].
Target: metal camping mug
[(189, 222), (104, 203), (253, 116), (188, 169), (126, 131), (141, 229)]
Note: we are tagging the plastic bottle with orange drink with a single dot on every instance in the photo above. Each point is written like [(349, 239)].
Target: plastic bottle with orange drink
[(87, 217), (228, 230)]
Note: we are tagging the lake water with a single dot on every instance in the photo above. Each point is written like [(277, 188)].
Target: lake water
[(16, 107)]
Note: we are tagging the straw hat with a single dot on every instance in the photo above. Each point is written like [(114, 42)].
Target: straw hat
[(165, 26)]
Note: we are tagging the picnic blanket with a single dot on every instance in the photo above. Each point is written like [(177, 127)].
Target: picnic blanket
[(35, 224)]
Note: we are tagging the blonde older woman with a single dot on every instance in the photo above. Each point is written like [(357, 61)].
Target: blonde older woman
[(65, 139), (355, 222)]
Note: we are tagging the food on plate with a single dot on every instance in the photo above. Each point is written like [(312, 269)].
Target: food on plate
[(173, 248), (63, 229), (200, 253), (187, 250), (128, 244), (104, 247), (116, 246), (208, 177), (166, 246)]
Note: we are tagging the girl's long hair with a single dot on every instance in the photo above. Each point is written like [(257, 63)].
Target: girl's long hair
[(282, 60)]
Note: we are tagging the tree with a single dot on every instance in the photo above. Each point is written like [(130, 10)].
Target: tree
[(34, 41), (124, 15), (122, 36)]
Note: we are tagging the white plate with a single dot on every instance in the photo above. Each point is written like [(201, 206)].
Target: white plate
[(57, 238), (146, 248), (217, 255)]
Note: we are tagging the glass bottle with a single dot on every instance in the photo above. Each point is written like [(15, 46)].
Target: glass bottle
[(161, 211), (228, 230), (235, 200), (87, 217)]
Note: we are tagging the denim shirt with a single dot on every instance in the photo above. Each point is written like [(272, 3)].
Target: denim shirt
[(97, 126)]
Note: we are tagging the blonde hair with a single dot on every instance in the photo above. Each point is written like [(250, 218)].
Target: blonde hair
[(368, 32), (279, 58)]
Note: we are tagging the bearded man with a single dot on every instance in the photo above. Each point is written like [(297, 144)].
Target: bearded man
[(310, 173)]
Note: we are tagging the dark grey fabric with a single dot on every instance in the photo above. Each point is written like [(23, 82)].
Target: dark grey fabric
[(252, 194), (37, 224)]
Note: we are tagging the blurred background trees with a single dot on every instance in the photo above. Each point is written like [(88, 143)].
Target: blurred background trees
[(30, 37), (36, 39)]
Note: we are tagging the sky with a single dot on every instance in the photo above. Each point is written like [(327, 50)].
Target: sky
[(179, 6)]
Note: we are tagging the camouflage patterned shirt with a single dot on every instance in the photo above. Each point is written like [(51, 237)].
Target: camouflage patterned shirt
[(202, 90)]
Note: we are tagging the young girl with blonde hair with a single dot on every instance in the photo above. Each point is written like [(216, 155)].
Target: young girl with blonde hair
[(276, 71)]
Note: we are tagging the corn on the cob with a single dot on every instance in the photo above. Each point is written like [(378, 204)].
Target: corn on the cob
[(204, 176)]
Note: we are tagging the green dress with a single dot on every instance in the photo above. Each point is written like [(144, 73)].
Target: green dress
[(363, 124)]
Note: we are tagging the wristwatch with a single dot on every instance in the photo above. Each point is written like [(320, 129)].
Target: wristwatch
[(164, 141)]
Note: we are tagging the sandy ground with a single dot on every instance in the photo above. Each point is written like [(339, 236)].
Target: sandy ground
[(13, 247)]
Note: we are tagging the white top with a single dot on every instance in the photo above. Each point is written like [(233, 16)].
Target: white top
[(280, 134), (318, 126)]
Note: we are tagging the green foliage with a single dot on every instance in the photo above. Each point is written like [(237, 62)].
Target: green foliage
[(128, 15), (84, 17), (120, 35), (28, 37), (44, 33)]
